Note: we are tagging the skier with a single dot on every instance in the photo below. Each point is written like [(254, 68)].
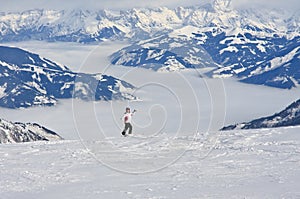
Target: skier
[(127, 121)]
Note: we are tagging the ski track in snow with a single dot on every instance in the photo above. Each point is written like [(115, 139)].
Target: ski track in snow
[(234, 164)]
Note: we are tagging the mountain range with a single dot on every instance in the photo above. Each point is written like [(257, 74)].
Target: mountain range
[(26, 79), (141, 23), (288, 117), (14, 132), (257, 46)]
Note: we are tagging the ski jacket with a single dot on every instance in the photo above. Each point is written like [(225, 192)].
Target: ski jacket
[(127, 117)]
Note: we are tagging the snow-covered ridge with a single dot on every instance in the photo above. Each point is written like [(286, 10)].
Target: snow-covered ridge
[(281, 70), (14, 132), (288, 117), (142, 23), (257, 46), (170, 52), (27, 80), (243, 54)]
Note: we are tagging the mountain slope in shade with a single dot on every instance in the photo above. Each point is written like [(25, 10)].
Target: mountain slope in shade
[(11, 132), (288, 117), (282, 72), (269, 61), (26, 79)]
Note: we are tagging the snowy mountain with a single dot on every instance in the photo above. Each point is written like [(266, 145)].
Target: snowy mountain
[(280, 71), (244, 55), (256, 45), (26, 79), (266, 61), (11, 132), (288, 117), (143, 23), (169, 52), (51, 25)]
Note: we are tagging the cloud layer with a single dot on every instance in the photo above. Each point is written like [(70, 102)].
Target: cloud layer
[(20, 5), (285, 4)]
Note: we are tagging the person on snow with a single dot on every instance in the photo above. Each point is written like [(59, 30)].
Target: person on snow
[(127, 121)]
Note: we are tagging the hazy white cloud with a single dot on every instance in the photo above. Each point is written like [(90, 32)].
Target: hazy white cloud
[(20, 5), (285, 4)]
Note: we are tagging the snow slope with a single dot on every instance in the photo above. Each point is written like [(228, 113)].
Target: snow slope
[(19, 132), (233, 164), (282, 71)]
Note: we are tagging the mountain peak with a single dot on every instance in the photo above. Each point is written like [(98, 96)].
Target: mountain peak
[(222, 5), (27, 80), (14, 132)]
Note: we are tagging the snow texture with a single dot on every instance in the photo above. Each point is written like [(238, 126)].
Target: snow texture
[(235, 164)]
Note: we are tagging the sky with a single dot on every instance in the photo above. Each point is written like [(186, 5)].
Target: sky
[(21, 5)]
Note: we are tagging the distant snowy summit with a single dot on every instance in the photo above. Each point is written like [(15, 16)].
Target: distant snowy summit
[(140, 23), (26, 79), (11, 132), (288, 117)]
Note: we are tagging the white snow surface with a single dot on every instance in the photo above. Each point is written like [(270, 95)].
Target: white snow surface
[(176, 151), (236, 164)]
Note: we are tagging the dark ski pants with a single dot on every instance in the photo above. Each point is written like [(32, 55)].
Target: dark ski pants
[(128, 126)]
